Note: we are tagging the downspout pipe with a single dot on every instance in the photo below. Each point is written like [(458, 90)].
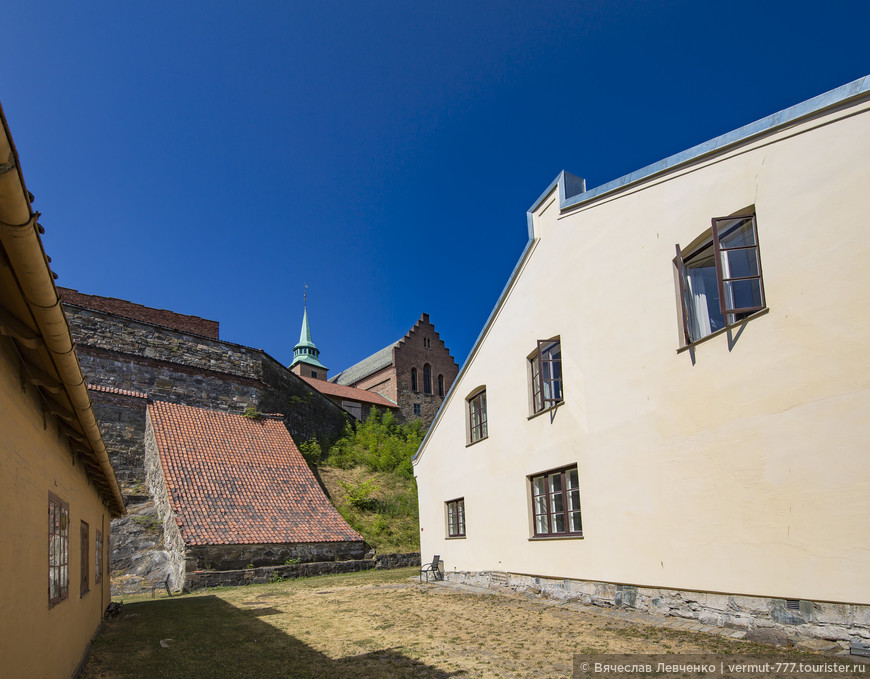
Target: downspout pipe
[(19, 234)]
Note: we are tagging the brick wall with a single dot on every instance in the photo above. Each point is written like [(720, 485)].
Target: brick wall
[(382, 382), (421, 346), (120, 307)]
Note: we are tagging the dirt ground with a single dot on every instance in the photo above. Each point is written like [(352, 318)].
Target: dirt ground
[(375, 624)]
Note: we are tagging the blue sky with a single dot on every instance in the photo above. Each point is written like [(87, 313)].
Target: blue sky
[(214, 157)]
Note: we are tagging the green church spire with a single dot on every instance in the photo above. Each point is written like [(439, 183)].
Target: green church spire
[(306, 351)]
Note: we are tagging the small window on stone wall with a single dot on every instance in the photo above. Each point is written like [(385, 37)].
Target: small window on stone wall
[(416, 408), (427, 379), (441, 386), (413, 379)]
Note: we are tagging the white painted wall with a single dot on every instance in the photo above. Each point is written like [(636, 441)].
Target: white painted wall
[(747, 471)]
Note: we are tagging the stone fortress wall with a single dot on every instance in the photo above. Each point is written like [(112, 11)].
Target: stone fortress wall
[(130, 354)]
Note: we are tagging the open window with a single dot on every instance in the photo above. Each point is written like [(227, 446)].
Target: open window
[(545, 370), (719, 277)]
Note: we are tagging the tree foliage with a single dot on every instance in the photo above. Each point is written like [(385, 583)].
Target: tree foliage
[(380, 444)]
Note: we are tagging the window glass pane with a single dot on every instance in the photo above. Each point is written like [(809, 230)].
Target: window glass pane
[(555, 483), (740, 263), (541, 525), (576, 526), (540, 504), (557, 390), (743, 294), (702, 296), (574, 500), (735, 233), (573, 478), (540, 485), (556, 504), (558, 523)]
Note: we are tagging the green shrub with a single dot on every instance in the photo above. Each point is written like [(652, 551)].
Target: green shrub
[(359, 495), (380, 444)]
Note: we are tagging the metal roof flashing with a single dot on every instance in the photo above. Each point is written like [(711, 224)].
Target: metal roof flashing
[(569, 197)]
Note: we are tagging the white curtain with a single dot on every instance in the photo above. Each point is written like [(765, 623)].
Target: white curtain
[(697, 281)]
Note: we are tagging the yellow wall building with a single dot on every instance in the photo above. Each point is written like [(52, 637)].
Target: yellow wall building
[(58, 492), (670, 401)]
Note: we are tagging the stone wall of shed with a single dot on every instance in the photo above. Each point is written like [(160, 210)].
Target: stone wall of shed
[(235, 557)]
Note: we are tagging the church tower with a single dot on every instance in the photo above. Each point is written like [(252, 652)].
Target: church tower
[(305, 362)]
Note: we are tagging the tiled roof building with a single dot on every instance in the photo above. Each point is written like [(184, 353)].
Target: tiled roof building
[(415, 372), (357, 402), (234, 490)]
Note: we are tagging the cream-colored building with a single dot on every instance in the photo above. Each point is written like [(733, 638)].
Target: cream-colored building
[(619, 435), (58, 492)]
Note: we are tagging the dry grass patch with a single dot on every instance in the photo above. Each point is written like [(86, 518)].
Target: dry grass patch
[(369, 625)]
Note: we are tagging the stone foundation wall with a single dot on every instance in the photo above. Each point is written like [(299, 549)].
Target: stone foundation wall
[(249, 576), (791, 619), (235, 557)]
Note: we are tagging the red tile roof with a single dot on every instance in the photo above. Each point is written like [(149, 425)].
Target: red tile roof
[(115, 390), (349, 393), (234, 480)]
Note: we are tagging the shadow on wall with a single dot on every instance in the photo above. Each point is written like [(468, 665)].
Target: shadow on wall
[(207, 637)]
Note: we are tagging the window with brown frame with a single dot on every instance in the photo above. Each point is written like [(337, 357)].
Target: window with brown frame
[(413, 379), (556, 503), (456, 518), (86, 548), (546, 375), (427, 379), (98, 559), (477, 424), (720, 279), (58, 550)]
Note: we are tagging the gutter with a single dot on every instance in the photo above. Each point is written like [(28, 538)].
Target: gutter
[(19, 235)]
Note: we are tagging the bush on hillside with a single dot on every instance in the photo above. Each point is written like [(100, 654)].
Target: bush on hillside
[(380, 444)]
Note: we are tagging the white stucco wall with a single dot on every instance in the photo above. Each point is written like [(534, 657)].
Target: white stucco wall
[(745, 470)]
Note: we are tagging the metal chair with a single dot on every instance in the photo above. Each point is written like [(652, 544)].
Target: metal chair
[(433, 568)]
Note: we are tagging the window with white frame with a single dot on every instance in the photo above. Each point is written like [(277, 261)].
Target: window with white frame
[(556, 503), (719, 277)]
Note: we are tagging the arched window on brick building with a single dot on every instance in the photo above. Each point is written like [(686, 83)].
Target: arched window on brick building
[(441, 386), (427, 379), (413, 379)]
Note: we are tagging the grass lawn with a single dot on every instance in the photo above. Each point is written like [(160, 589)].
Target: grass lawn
[(365, 626)]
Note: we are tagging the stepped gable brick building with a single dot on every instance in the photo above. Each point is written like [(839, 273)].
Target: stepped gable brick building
[(233, 490), (416, 372), (58, 490), (306, 363)]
